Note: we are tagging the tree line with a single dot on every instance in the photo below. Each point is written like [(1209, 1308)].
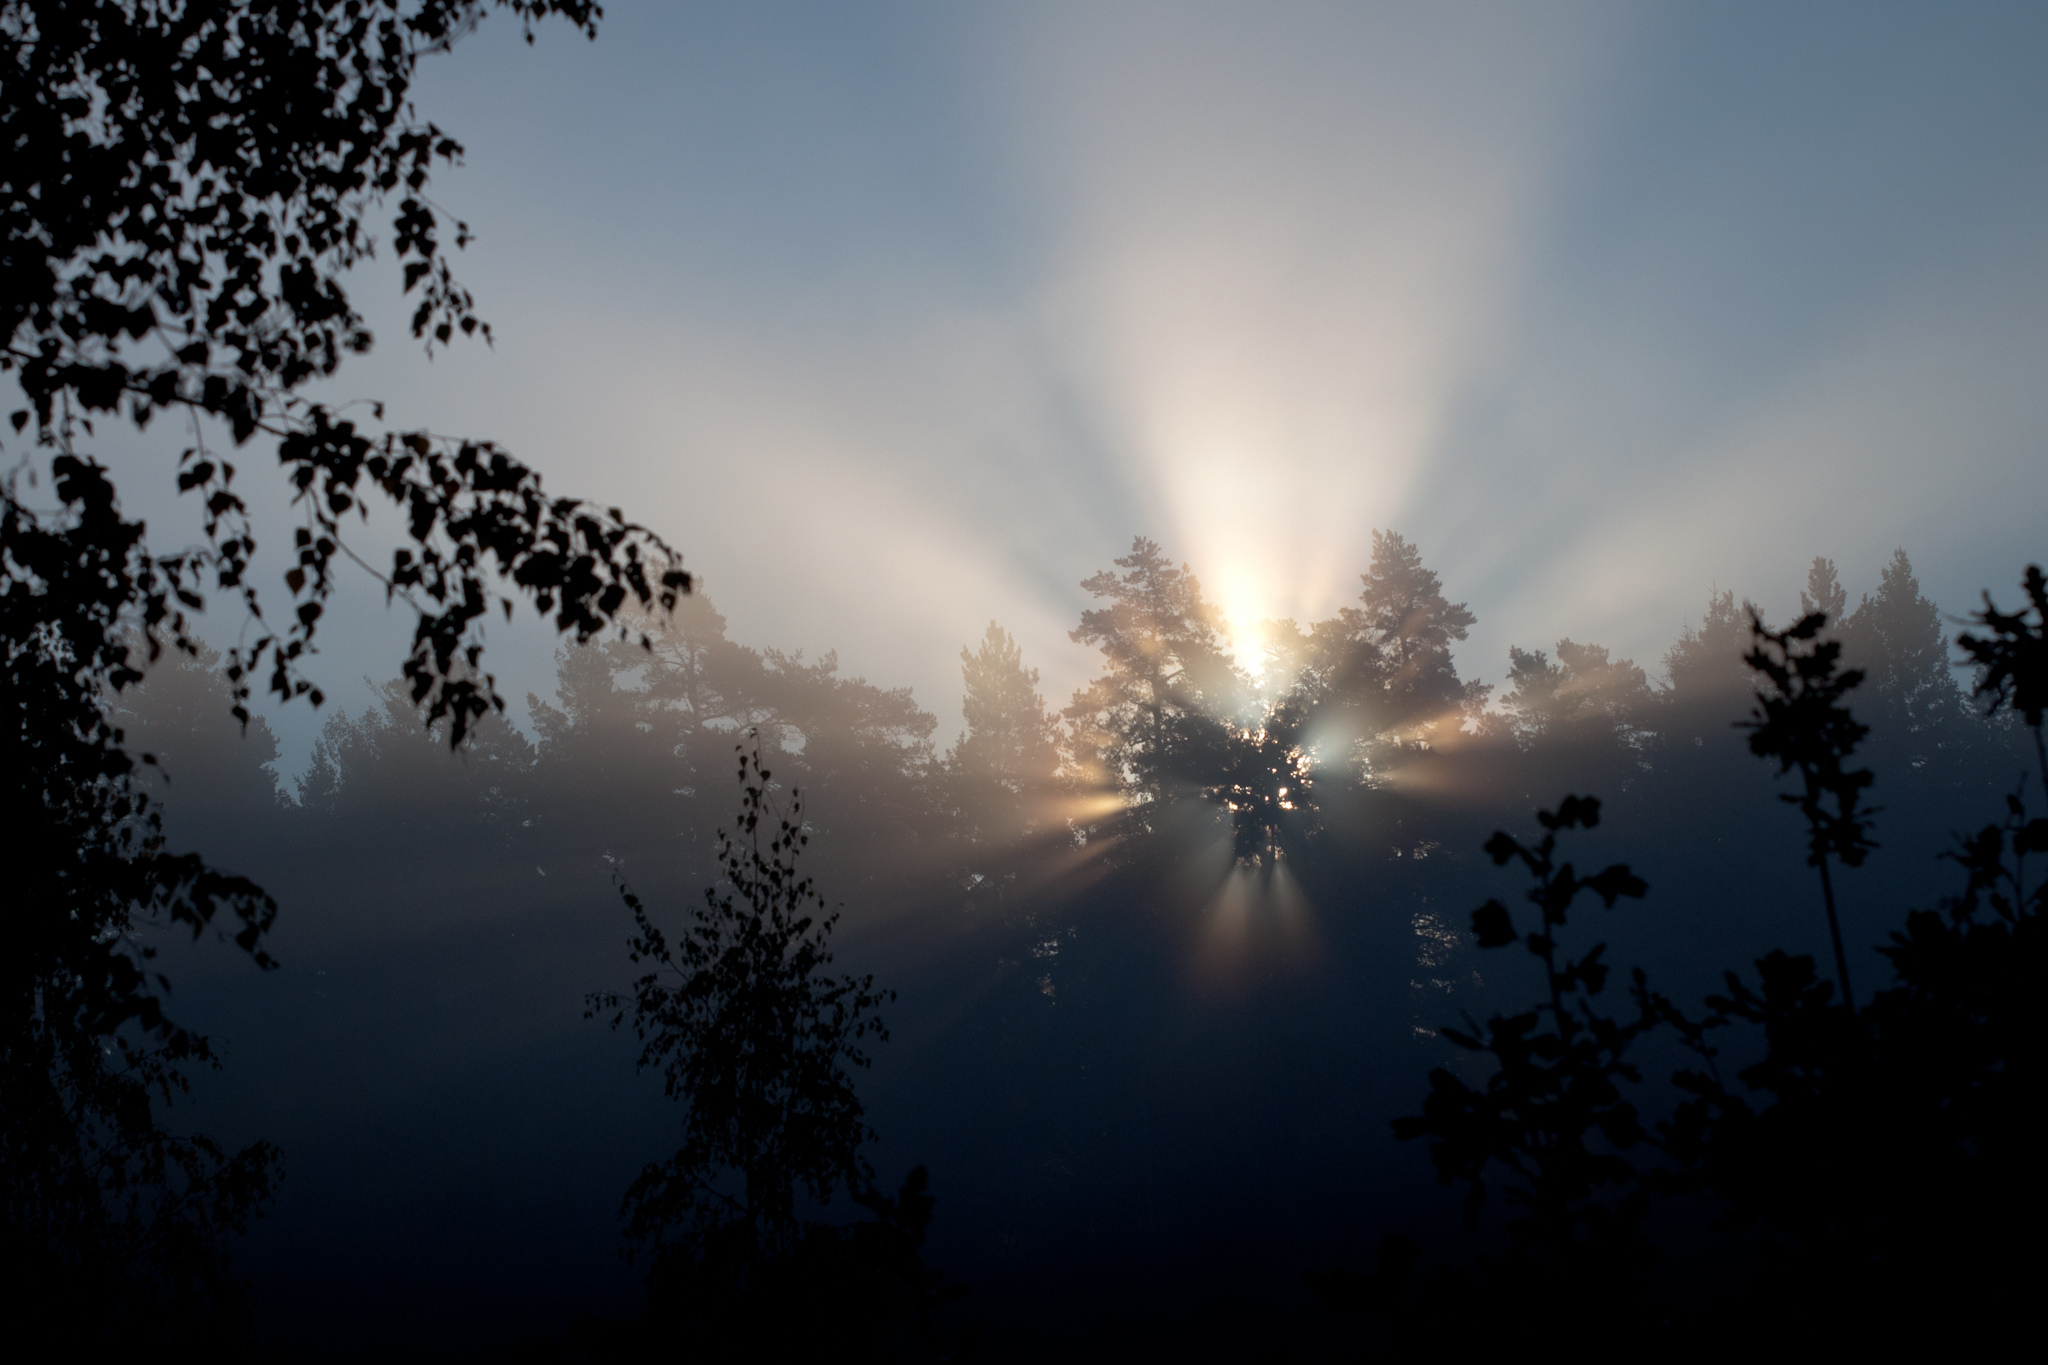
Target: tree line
[(1855, 1176), (1046, 858), (1365, 706)]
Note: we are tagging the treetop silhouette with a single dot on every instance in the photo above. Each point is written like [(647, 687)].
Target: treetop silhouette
[(760, 1043), (1869, 1167), (187, 189), (1171, 687), (745, 1027), (1800, 720), (2013, 655)]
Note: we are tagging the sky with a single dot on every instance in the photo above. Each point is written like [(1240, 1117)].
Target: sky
[(899, 318)]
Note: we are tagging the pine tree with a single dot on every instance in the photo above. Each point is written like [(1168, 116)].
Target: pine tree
[(1584, 695), (1824, 593), (1156, 720), (1406, 615), (1896, 637), (1911, 698), (1006, 758), (1381, 675), (1709, 687)]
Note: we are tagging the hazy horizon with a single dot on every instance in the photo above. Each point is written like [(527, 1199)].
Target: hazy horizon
[(901, 320)]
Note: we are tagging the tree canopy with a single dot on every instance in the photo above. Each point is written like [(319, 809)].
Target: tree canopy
[(185, 192), (1169, 683)]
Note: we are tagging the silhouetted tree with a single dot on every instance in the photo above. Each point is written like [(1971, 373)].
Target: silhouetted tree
[(1884, 1153), (1583, 696), (1403, 612), (1801, 722), (1552, 1116), (1011, 741), (1911, 699), (1380, 677), (657, 722), (632, 747), (1824, 592), (211, 775), (186, 187), (1708, 683), (1555, 1123), (866, 754), (1002, 772), (2012, 657), (109, 1223), (1880, 1157), (385, 777), (1585, 717), (759, 1042), (1266, 781), (754, 1038), (1158, 719)]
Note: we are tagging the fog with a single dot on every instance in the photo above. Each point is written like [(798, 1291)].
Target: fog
[(1150, 1033), (894, 321), (1164, 484)]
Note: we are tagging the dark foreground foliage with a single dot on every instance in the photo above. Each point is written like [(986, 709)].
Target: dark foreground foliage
[(1147, 1045), (184, 189), (109, 1223), (749, 1031), (1869, 1173)]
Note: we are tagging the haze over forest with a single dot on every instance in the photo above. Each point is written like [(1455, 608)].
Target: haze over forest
[(902, 320), (1108, 574), (1168, 961)]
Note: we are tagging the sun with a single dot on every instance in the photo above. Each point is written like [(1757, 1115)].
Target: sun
[(1245, 603)]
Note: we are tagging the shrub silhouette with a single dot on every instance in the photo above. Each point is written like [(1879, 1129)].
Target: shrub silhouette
[(753, 1035), (111, 1224), (1874, 1166)]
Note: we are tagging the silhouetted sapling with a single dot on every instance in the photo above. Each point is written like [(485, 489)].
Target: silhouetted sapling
[(1800, 721), (2014, 658), (1882, 1161), (759, 1042)]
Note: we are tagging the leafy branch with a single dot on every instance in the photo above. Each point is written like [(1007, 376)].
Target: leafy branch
[(1800, 720), (1553, 1114), (2014, 658)]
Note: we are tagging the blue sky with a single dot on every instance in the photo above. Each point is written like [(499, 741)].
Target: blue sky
[(903, 317)]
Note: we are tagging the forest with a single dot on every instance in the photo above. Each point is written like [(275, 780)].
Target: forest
[(1163, 965), (1308, 992)]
